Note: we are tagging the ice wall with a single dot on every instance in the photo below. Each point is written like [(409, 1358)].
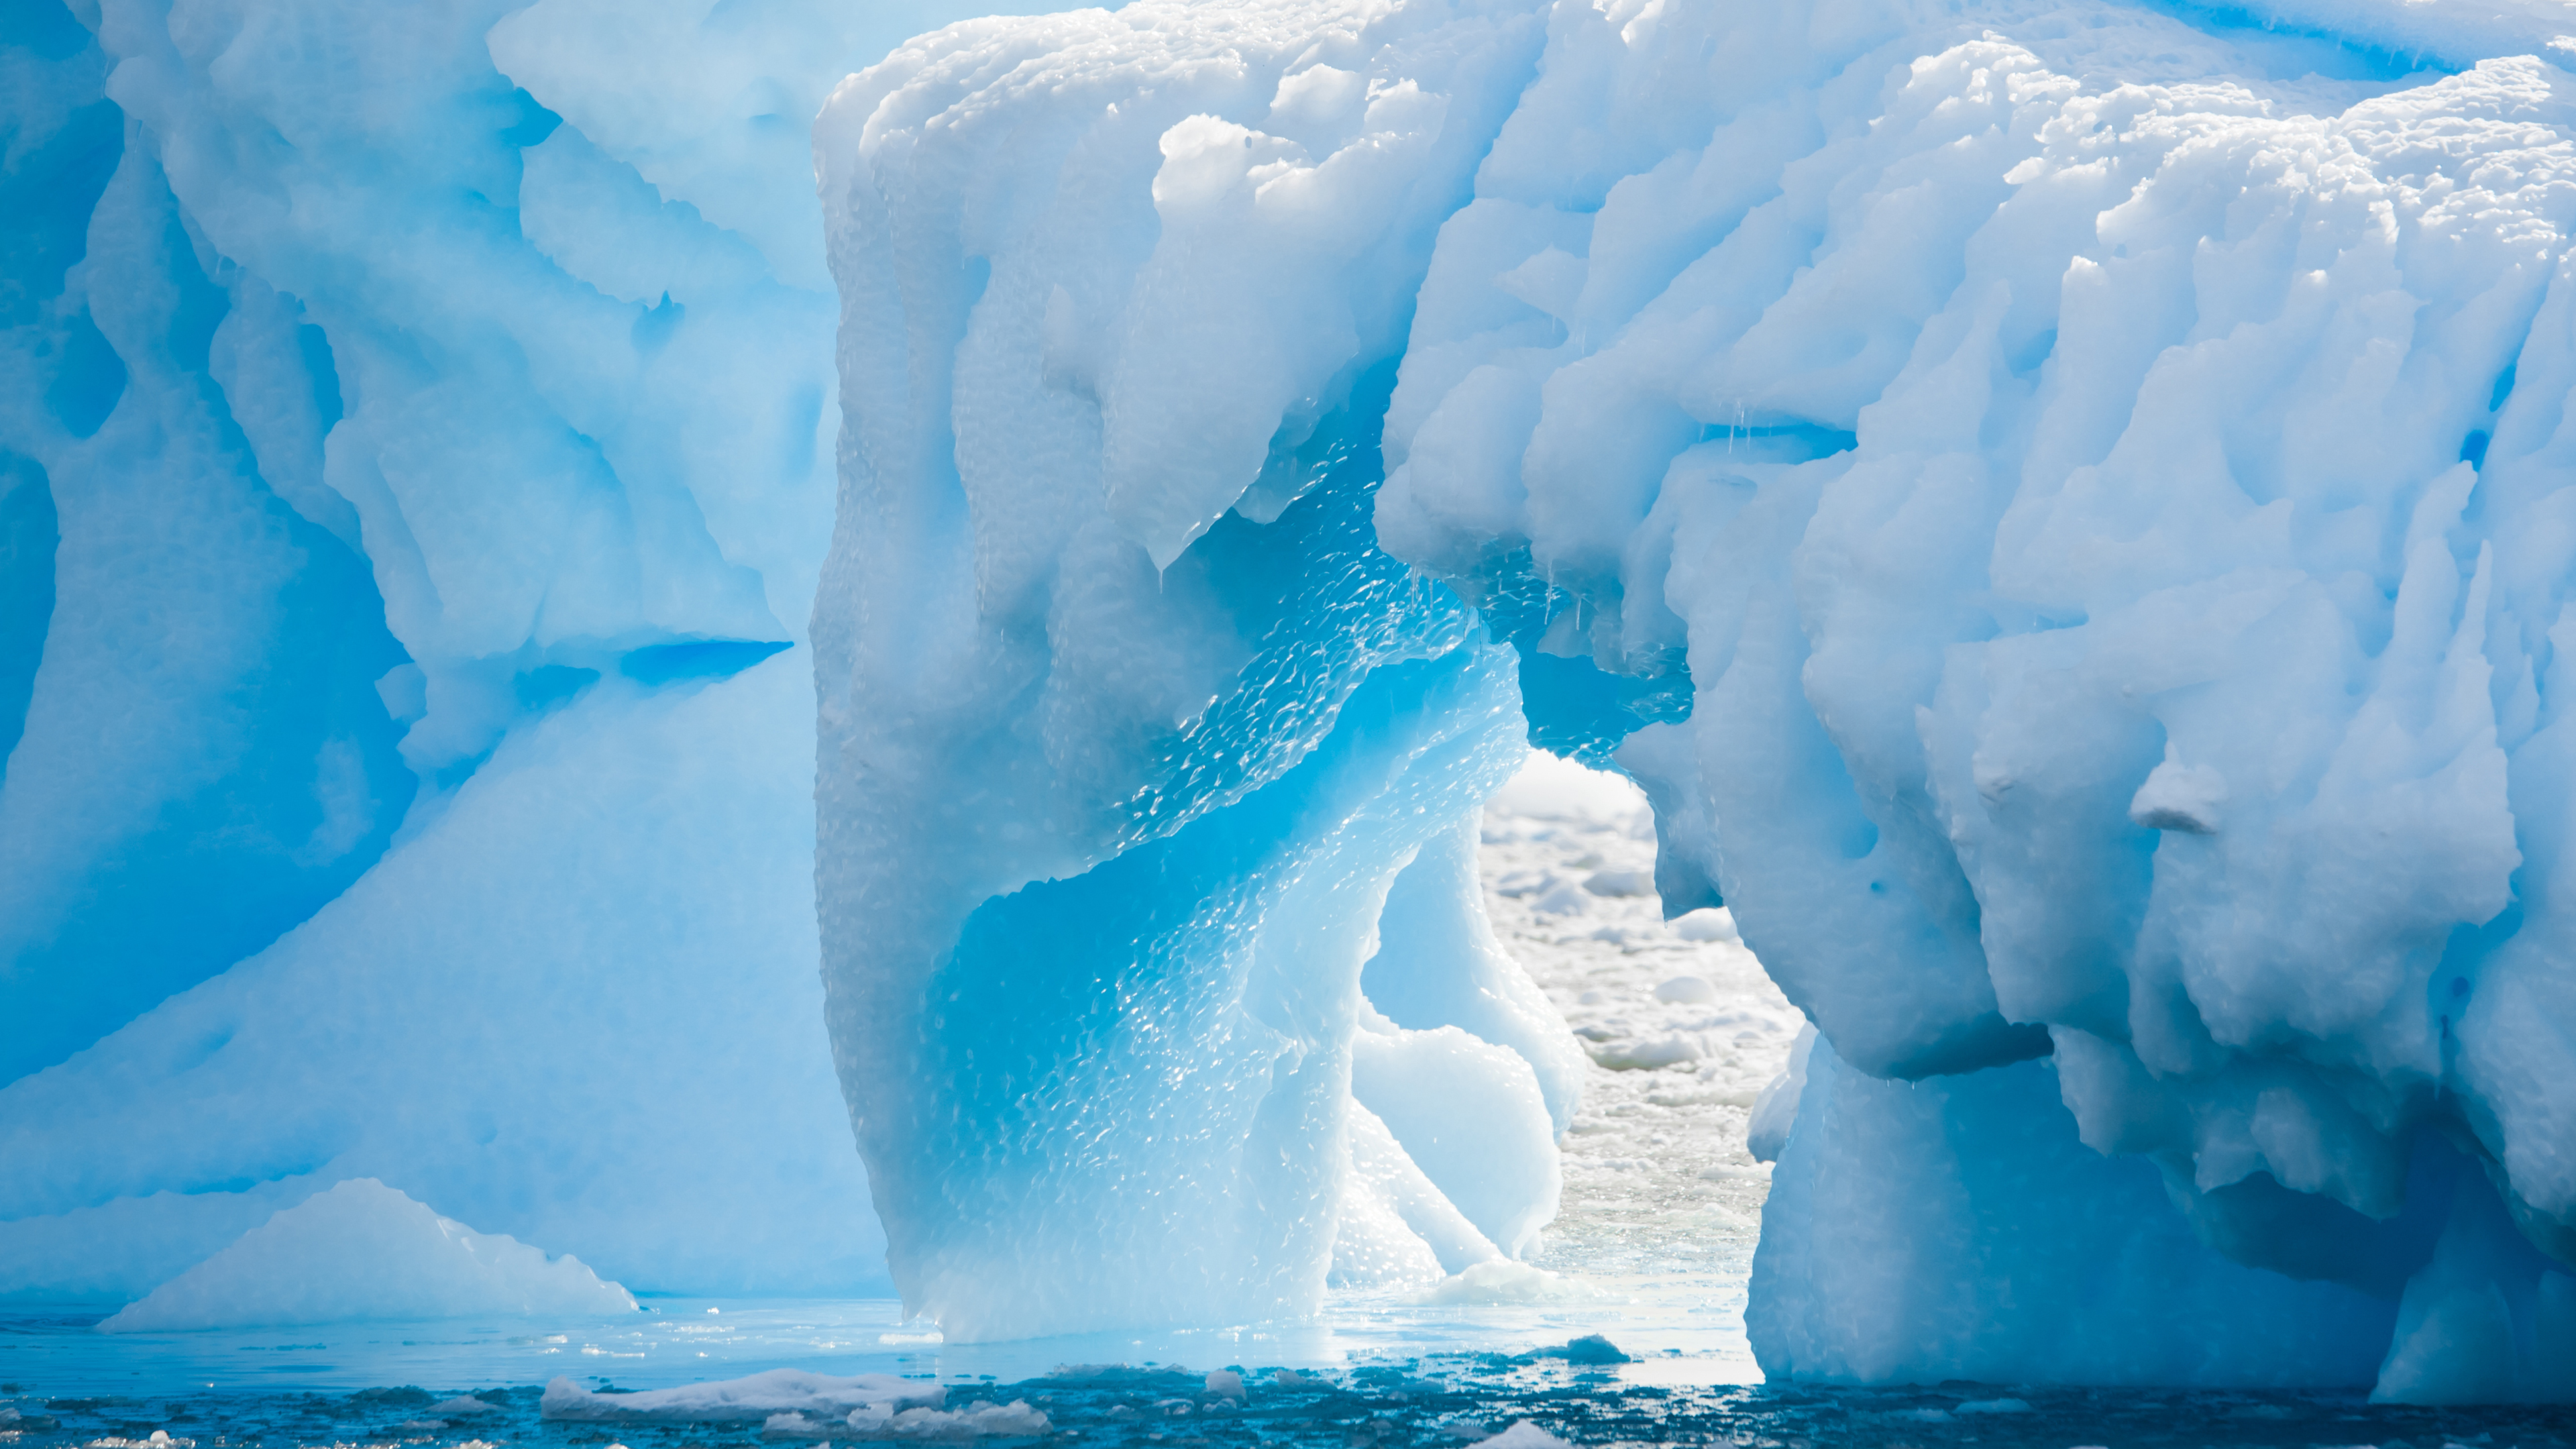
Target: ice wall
[(1116, 771), (2058, 503), (415, 433)]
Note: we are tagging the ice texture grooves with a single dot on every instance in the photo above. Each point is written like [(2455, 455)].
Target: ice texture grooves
[(2075, 492)]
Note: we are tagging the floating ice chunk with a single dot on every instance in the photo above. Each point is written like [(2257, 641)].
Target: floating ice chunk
[(1564, 898), (1470, 1114), (363, 1250), (778, 1391), (460, 1407), (1523, 1435), (1391, 1225), (1709, 923), (1620, 884), (1686, 990), (1225, 1383), (1550, 788)]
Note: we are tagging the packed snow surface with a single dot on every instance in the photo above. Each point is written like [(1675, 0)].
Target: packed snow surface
[(363, 1250), (2060, 506)]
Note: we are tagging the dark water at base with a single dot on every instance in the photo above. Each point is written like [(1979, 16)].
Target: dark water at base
[(1443, 1400)]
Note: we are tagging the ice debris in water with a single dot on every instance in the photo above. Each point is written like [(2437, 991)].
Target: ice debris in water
[(759, 1396), (1523, 1435), (2058, 511), (363, 1250), (1502, 1281)]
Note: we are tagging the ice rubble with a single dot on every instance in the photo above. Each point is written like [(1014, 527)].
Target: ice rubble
[(362, 1250), (2057, 503), (778, 1391), (415, 435), (793, 1404)]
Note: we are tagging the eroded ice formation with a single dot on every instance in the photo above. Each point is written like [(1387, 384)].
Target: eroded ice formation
[(2061, 505), (415, 434)]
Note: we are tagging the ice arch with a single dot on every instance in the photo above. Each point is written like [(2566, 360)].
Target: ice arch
[(2072, 495)]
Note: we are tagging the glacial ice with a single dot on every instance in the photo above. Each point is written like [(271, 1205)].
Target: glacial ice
[(2058, 504), (362, 1250), (415, 443), (2055, 502)]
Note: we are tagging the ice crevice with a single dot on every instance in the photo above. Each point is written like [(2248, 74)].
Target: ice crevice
[(1995, 475)]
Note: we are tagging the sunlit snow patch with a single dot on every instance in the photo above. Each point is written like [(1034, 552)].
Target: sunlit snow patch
[(363, 1250)]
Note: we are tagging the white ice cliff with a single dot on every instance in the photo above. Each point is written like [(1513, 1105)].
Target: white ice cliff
[(2062, 506)]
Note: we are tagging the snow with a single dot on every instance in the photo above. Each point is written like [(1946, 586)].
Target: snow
[(363, 1250), (2055, 505)]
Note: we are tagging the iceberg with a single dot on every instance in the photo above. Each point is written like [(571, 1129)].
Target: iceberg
[(2059, 505), (362, 1250), (415, 464), (552, 615)]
